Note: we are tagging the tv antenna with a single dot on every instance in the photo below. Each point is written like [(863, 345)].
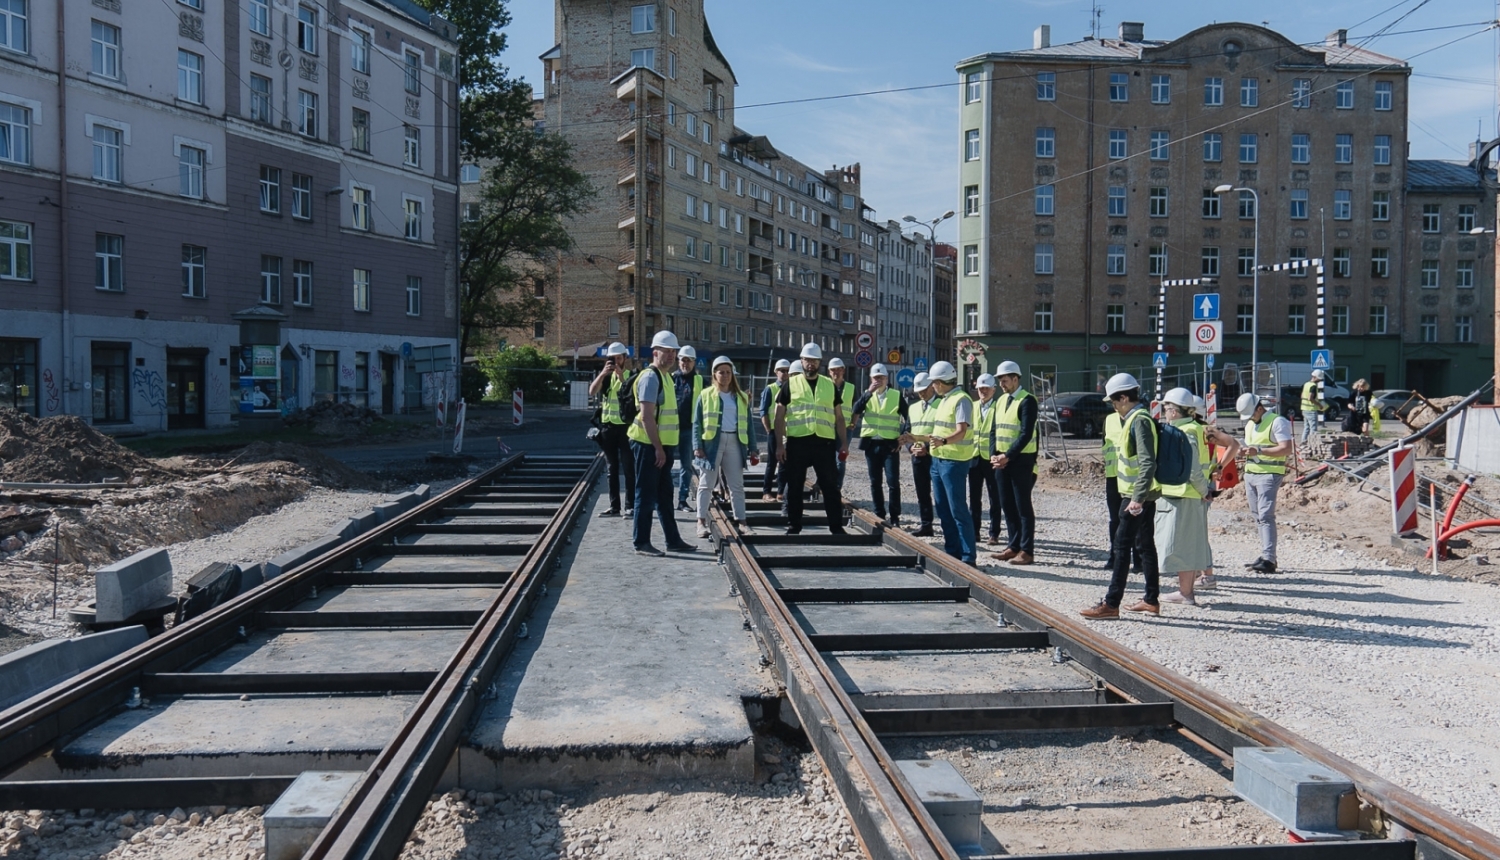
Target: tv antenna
[(1095, 16)]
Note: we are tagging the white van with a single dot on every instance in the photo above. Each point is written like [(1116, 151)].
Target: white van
[(1289, 378)]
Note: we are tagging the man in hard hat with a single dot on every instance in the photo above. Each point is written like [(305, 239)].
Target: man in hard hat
[(810, 426), (654, 436), (847, 396), (881, 413), (1312, 406), (1015, 464), (1268, 443), (771, 486), (981, 471), (952, 448), (1135, 471), (608, 386), (689, 384), (919, 414)]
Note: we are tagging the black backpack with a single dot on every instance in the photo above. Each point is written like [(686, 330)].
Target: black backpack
[(1174, 454)]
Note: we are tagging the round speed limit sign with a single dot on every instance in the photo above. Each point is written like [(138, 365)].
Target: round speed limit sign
[(1208, 337)]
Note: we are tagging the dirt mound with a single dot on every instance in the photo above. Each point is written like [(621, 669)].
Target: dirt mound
[(1428, 412), (65, 449), (312, 465), (327, 418)]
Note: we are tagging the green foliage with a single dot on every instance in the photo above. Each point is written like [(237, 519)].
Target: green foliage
[(529, 368)]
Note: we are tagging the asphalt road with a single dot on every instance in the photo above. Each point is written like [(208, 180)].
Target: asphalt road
[(551, 430)]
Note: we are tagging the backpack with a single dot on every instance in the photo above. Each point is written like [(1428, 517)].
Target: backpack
[(628, 407), (1174, 455)]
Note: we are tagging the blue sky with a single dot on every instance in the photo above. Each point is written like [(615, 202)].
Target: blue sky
[(907, 142)]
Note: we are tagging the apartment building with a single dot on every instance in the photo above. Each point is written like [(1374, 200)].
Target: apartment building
[(1089, 173), (223, 211), (944, 289), (701, 226), (906, 309)]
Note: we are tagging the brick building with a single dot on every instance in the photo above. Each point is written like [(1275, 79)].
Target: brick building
[(944, 289)]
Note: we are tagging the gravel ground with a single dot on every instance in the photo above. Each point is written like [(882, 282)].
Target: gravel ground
[(1393, 669), (160, 834)]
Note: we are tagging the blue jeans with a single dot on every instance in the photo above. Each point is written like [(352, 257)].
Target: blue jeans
[(950, 487), (653, 494), (685, 463)]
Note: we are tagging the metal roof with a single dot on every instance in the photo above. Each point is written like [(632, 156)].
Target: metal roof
[(1433, 175), (1090, 48)]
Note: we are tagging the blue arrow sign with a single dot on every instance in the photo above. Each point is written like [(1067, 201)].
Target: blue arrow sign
[(921, 363), (1209, 359), (1322, 359), (1206, 306), (906, 377), (1159, 360)]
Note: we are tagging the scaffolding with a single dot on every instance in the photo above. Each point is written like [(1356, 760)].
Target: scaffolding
[(1047, 420)]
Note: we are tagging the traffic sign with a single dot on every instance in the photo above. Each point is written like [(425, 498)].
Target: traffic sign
[(1208, 337), (906, 377), (921, 363), (893, 356), (1159, 360), (865, 340), (1322, 359), (1209, 360), (863, 358), (1206, 306), (1104, 347)]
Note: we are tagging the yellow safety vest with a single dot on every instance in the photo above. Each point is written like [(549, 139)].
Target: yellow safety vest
[(882, 416), (666, 413), (711, 405), (1258, 435), (809, 413), (1008, 426), (984, 422), (1197, 433), (1129, 469), (610, 405), (1113, 424), (945, 424), (1310, 407)]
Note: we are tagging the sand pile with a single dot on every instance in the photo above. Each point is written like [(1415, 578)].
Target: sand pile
[(65, 449)]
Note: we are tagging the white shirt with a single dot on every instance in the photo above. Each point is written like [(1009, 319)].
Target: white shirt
[(729, 412)]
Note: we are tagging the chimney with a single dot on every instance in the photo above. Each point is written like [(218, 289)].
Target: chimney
[(1042, 37), (1336, 39), (1132, 31)]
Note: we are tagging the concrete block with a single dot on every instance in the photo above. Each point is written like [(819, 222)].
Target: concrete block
[(951, 801), (366, 521), (133, 585), (388, 511), (346, 529), (32, 669), (1293, 789), (293, 557), (250, 577), (406, 501), (303, 810), (422, 492), (208, 588)]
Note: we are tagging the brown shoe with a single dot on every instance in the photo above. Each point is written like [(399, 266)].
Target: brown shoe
[(1100, 610), (1143, 606), (1023, 558), (1006, 554)]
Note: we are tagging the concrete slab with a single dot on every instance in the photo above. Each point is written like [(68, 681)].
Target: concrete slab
[(390, 598), (892, 618), (342, 650), (466, 540), (874, 673), (388, 511), (953, 803), (1293, 789), (430, 563), (888, 577), (132, 585), (32, 669), (303, 810), (633, 667), (293, 557)]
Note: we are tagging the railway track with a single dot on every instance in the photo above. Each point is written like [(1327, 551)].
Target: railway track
[(371, 657), (859, 626)]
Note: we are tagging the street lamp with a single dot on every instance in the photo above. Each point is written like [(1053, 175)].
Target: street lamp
[(931, 268), (1255, 284)]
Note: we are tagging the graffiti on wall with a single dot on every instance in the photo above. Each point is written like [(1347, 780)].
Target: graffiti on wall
[(49, 384), (149, 386), (438, 387)]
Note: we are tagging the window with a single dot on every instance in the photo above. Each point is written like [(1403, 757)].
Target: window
[(1301, 148), (109, 262), (1298, 202), (270, 279), (1213, 92), (1338, 319), (190, 171), (1463, 329), (1382, 95), (307, 29), (1159, 145), (1044, 200), (1341, 267), (1247, 204), (1380, 262), (1432, 217), (1377, 319), (413, 296), (194, 281), (1380, 209), (15, 251), (1302, 93), (108, 148), (708, 133), (1156, 261), (1344, 95), (359, 136), (1297, 255), (1213, 146), (971, 201), (1114, 319), (1119, 87), (971, 260), (110, 382), (1117, 143), (260, 98), (672, 64), (1245, 263), (307, 113), (260, 17), (1249, 92), (1464, 275), (1428, 327), (359, 198), (1042, 258), (270, 189), (1343, 149), (106, 50), (1296, 319), (412, 72), (13, 28), (1114, 260), (412, 156), (1465, 217), (1161, 89), (1244, 318), (671, 21), (1041, 317), (413, 211), (190, 77), (1117, 201), (1343, 205), (643, 18), (1209, 267), (302, 196), (1046, 87), (974, 83), (1382, 149), (1158, 202), (362, 290), (643, 58), (302, 283), (1153, 318), (1249, 148), (1046, 143), (15, 132), (1431, 274), (359, 51), (971, 145)]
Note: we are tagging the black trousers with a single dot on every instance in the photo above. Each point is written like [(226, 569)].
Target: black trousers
[(1137, 532), (884, 456), (1016, 481), (1112, 499), (820, 455), (775, 477), (616, 446), (921, 471), (982, 477)]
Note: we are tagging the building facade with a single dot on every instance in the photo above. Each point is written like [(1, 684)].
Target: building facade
[(906, 308), (944, 289), (216, 210), (1089, 173)]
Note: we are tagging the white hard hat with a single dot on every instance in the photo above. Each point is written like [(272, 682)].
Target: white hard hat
[(921, 383), (811, 350), (797, 368), (1180, 397), (783, 365), (1008, 368), (723, 359), (835, 362), (664, 340), (1200, 404), (876, 370), (1245, 405), (943, 371), (986, 380), (1317, 374), (616, 348), (1119, 382), (687, 352)]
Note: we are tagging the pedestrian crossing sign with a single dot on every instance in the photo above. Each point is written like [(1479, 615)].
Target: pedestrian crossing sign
[(1159, 360), (1322, 359)]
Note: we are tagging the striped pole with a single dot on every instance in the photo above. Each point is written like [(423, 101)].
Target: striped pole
[(1322, 332), (1161, 344), (1404, 490)]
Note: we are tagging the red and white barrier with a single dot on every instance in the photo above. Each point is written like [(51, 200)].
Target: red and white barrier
[(1403, 490), (1212, 408), (460, 412), (518, 407)]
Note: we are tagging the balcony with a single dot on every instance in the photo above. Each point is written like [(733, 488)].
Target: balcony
[(629, 127), (627, 170), (761, 243), (627, 258)]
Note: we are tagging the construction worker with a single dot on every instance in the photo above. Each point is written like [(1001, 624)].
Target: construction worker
[(654, 436), (1015, 464), (1181, 531), (770, 487), (952, 447), (1113, 427), (920, 419), (981, 472), (880, 413), (1135, 471), (608, 386), (689, 384), (847, 395), (810, 428), (1268, 443), (724, 438), (1312, 406)]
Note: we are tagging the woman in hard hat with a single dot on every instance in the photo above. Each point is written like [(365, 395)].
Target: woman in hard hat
[(1182, 512), (723, 438)]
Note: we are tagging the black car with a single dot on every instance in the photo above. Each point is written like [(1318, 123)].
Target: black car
[(1081, 413)]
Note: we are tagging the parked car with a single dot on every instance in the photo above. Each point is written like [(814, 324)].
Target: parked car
[(1394, 402), (1081, 413)]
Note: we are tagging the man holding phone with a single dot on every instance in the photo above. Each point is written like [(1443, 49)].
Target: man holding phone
[(612, 381)]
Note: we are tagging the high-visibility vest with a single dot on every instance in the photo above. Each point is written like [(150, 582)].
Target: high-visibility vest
[(920, 415), (697, 385), (1310, 407), (945, 424), (1128, 471), (712, 407), (1258, 436), (984, 422), (847, 395), (1008, 425), (666, 413), (609, 411), (882, 416), (810, 412), (1195, 432), (1113, 425)]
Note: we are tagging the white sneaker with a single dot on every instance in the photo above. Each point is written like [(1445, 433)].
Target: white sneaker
[(1178, 598), (703, 531), (1206, 582), (745, 528)]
